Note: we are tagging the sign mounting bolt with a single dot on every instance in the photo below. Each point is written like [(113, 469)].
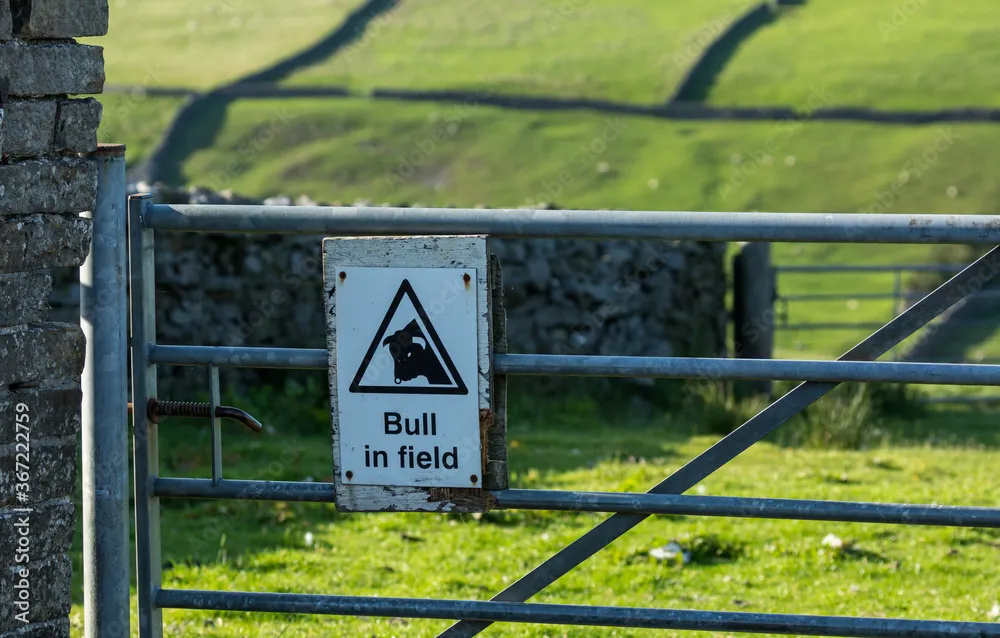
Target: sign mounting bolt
[(343, 275), (474, 478), (349, 474)]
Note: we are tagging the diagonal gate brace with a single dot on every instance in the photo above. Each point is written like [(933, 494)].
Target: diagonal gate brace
[(968, 281)]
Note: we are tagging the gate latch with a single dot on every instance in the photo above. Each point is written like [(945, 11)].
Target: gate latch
[(156, 409)]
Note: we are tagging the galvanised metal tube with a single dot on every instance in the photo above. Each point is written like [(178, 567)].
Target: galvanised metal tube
[(830, 326), (611, 502), (145, 440), (842, 296), (845, 296), (613, 366), (738, 507), (554, 614), (988, 321), (244, 490), (889, 268), (104, 435), (772, 369), (603, 224), (240, 357)]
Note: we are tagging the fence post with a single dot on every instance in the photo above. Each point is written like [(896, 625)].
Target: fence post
[(753, 311), (105, 449), (496, 440)]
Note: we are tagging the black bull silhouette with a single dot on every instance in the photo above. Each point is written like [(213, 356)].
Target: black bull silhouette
[(413, 359)]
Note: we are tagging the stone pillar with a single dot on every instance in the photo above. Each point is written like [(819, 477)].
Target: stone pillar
[(45, 182)]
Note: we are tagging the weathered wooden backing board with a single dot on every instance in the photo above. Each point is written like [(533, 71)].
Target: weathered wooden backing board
[(450, 252)]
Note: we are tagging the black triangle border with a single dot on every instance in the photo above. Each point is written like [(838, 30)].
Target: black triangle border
[(407, 289)]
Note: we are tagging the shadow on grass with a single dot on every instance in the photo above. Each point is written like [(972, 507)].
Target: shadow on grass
[(702, 76), (199, 122)]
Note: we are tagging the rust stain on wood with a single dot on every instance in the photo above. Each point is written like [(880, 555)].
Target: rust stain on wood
[(485, 425), (463, 499)]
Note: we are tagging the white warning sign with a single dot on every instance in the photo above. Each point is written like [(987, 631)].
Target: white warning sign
[(407, 373)]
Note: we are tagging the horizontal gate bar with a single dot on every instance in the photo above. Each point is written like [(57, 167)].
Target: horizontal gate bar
[(555, 614), (240, 357), (889, 268), (299, 491), (739, 507), (833, 325), (607, 224), (772, 369), (846, 296), (632, 503), (612, 366)]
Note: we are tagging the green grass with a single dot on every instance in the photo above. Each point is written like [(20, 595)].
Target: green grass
[(464, 154), (898, 55), (136, 120), (743, 565), (628, 50), (188, 43)]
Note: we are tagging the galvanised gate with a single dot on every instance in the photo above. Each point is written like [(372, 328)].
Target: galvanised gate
[(106, 538)]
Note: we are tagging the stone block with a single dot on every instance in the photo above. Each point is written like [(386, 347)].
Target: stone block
[(52, 68), (23, 297), (58, 628), (28, 127), (37, 127), (63, 185), (52, 472), (35, 353), (36, 242), (76, 126), (47, 530), (52, 19), (53, 410), (48, 593), (6, 25)]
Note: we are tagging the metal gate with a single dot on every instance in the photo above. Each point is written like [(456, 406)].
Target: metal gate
[(627, 509)]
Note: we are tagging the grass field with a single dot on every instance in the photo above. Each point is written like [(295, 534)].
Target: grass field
[(344, 149), (137, 119), (632, 50), (200, 45), (737, 564), (197, 46), (902, 55)]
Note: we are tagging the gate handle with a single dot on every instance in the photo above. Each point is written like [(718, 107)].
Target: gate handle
[(157, 408)]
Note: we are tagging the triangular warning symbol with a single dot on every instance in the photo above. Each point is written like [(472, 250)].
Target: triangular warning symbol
[(420, 363)]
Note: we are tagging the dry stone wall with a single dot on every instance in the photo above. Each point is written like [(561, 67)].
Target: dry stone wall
[(46, 180)]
